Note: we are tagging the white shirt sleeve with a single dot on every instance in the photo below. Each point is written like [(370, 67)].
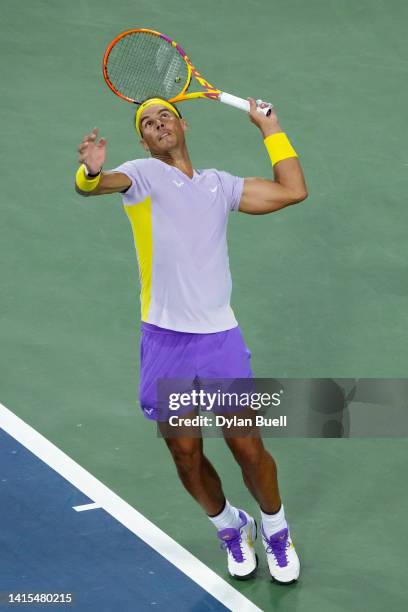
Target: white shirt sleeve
[(140, 188), (232, 187)]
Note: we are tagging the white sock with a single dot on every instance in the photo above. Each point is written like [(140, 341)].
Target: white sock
[(228, 518), (272, 523)]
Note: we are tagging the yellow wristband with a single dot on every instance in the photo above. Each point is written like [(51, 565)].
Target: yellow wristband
[(279, 147), (84, 183)]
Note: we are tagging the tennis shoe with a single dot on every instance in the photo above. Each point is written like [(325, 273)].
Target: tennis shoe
[(283, 562), (239, 544)]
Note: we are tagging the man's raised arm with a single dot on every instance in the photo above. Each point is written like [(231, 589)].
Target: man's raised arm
[(260, 195), (90, 180)]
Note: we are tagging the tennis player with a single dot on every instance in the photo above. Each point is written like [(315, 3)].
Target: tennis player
[(179, 218)]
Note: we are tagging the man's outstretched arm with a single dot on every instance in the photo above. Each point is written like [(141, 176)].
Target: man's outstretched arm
[(261, 196), (90, 180)]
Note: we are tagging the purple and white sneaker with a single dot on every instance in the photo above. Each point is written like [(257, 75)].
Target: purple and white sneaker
[(239, 544), (283, 562)]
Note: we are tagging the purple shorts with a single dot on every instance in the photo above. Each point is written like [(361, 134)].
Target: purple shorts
[(165, 353)]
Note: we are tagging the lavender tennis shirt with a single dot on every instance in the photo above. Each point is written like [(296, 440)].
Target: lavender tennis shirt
[(179, 226)]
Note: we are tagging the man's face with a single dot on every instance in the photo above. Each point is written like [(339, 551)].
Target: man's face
[(161, 129)]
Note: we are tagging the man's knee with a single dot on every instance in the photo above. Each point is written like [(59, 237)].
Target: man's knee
[(187, 454), (248, 452)]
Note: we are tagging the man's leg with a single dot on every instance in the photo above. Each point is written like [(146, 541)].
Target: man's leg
[(197, 473), (258, 470)]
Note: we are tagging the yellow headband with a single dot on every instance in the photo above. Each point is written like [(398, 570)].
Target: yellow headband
[(151, 102)]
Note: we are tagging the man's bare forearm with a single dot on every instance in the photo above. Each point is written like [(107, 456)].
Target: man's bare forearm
[(289, 174)]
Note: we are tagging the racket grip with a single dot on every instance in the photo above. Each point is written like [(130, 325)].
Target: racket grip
[(242, 104)]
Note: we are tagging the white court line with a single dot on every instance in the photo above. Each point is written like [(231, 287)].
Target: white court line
[(124, 513), (84, 507)]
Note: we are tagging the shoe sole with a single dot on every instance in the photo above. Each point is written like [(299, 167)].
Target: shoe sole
[(251, 574), (284, 583)]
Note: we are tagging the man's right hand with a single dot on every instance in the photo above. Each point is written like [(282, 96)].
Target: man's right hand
[(92, 153)]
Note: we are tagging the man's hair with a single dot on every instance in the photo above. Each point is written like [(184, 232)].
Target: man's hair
[(149, 98)]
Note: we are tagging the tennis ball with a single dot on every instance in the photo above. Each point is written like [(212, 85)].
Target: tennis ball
[(178, 79)]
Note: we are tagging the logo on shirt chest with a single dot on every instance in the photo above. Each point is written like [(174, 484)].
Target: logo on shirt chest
[(178, 183)]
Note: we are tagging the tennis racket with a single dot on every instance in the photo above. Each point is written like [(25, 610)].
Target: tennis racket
[(140, 64)]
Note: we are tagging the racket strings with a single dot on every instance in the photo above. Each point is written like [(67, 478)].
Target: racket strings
[(142, 65)]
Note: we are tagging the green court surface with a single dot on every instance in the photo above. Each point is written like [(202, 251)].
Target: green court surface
[(319, 289)]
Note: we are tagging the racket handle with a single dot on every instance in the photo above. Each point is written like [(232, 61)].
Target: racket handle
[(242, 104)]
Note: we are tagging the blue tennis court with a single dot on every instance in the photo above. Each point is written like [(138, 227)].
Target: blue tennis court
[(56, 539)]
